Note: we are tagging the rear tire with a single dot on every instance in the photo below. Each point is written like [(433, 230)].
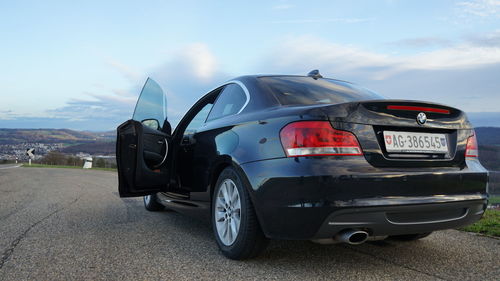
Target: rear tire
[(151, 203), (410, 237), (231, 203)]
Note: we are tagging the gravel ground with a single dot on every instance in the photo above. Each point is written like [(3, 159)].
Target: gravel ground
[(64, 224)]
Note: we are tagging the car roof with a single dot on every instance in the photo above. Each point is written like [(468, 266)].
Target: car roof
[(285, 75), (254, 77)]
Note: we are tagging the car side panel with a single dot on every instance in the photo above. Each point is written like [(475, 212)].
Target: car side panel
[(236, 140)]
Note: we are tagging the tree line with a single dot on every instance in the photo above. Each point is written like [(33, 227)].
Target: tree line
[(58, 158)]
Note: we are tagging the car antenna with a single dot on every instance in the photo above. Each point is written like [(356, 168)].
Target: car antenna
[(314, 74)]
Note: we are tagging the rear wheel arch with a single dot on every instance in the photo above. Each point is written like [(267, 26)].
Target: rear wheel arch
[(222, 164), (246, 183), (250, 239), (219, 166)]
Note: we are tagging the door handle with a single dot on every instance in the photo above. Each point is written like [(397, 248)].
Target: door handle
[(160, 142), (188, 140)]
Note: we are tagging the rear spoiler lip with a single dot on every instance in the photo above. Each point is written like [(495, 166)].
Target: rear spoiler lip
[(357, 113), (400, 101), (322, 105)]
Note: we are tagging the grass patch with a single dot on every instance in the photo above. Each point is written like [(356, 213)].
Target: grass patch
[(50, 166), (489, 224), (494, 200), (66, 167)]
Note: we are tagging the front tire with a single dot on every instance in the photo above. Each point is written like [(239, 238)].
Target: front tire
[(151, 203), (235, 225)]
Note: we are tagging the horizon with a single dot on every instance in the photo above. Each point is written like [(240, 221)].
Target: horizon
[(82, 67), (481, 119)]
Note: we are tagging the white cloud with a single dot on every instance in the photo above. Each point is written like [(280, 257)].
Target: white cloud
[(106, 107), (490, 39), (481, 8), (462, 56), (311, 52), (464, 75), (7, 115), (197, 60), (191, 73), (422, 42)]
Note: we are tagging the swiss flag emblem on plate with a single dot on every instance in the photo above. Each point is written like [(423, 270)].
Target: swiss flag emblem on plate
[(388, 139)]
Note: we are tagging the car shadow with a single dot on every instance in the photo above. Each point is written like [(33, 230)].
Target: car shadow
[(291, 250), (436, 255)]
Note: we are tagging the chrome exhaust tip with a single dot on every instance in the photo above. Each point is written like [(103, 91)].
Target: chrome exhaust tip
[(353, 237)]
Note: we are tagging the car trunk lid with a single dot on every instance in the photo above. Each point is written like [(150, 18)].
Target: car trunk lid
[(376, 122)]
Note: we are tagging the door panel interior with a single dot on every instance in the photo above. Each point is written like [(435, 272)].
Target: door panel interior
[(155, 147), (126, 158), (141, 153)]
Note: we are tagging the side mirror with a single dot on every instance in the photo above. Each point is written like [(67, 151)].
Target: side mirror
[(151, 123)]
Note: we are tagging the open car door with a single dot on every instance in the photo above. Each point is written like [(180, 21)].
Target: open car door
[(142, 145)]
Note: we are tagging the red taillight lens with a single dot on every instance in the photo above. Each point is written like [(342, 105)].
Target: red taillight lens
[(309, 138), (418, 108), (471, 149)]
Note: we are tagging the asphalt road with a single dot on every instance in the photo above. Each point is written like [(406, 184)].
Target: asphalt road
[(64, 224)]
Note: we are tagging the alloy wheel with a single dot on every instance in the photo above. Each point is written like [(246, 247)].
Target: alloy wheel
[(228, 212)]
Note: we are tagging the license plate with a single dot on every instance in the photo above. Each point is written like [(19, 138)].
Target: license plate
[(415, 142)]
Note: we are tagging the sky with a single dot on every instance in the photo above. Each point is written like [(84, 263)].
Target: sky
[(81, 65)]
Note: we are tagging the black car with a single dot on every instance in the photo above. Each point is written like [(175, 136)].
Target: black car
[(303, 157)]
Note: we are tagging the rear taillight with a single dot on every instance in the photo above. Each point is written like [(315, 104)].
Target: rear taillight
[(313, 138), (471, 149), (418, 108)]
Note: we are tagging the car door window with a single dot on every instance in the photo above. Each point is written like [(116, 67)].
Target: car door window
[(230, 101), (198, 120), (151, 105)]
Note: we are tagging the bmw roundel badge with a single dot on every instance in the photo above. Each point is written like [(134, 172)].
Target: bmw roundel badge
[(421, 118)]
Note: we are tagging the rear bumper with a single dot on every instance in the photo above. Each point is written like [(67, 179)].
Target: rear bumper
[(317, 197), (403, 219)]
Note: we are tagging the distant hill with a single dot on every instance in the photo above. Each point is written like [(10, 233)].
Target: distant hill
[(488, 139), (93, 148), (18, 136), (104, 142), (484, 119), (14, 142), (488, 135)]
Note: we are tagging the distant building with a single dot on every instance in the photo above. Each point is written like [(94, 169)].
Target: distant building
[(87, 162)]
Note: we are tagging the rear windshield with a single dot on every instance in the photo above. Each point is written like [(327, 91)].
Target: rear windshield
[(291, 90)]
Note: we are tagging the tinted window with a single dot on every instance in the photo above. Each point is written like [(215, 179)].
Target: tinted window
[(198, 120), (151, 104), (230, 101), (306, 90)]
